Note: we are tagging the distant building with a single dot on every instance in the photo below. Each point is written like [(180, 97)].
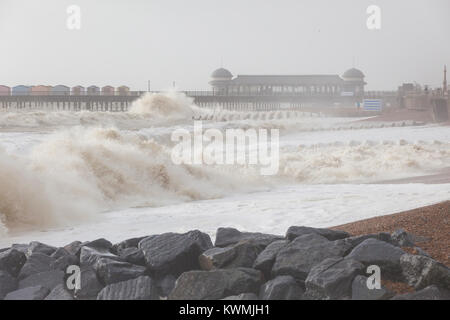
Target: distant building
[(40, 90), (123, 91), (108, 91), (78, 91), (21, 90), (351, 84), (5, 91), (93, 91), (60, 90)]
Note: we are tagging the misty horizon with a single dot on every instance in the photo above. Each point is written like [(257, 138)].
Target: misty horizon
[(172, 41)]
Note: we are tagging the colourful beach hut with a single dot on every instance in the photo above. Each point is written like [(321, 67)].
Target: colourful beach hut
[(21, 90), (41, 90), (78, 91), (60, 90), (5, 91), (93, 91), (108, 91)]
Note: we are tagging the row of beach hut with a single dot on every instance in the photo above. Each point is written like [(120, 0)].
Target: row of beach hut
[(61, 90)]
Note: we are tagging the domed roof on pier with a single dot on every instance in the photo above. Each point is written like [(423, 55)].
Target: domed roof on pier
[(221, 73)]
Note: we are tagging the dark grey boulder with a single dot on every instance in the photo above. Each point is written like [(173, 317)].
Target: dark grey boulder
[(265, 260), (100, 244), (12, 261), (173, 253), (74, 248), (64, 262), (30, 293), (421, 271), (281, 288), (298, 257), (38, 247), (216, 284), (111, 271), (47, 279), (132, 255), (245, 255), (22, 247), (36, 263), (229, 236), (243, 296), (60, 252), (90, 285), (242, 254), (429, 293), (126, 244), (356, 240), (142, 288), (59, 293), (332, 279), (405, 239), (216, 257), (165, 285), (89, 255), (380, 253), (7, 284), (360, 290), (294, 232)]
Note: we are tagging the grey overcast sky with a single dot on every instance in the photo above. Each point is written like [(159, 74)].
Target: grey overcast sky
[(130, 42)]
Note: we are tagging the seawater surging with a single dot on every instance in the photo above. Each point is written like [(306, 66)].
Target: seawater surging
[(77, 172)]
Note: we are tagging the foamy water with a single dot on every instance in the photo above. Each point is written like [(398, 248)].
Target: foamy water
[(79, 175)]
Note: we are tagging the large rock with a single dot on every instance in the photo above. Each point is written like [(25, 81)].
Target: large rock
[(142, 288), (59, 253), (38, 247), (7, 284), (47, 279), (357, 240), (332, 278), (132, 255), (99, 244), (90, 285), (421, 271), (74, 248), (265, 260), (216, 257), (429, 293), (229, 236), (216, 284), (294, 232), (30, 293), (59, 293), (299, 256), (243, 254), (126, 244), (12, 261), (90, 255), (360, 290), (36, 263), (404, 239), (173, 253), (111, 271), (380, 253), (281, 288), (64, 262)]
